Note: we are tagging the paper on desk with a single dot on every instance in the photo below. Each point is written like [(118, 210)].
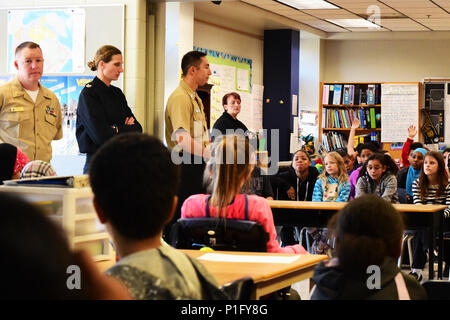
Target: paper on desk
[(247, 258)]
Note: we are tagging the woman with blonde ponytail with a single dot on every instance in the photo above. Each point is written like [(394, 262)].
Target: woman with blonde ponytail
[(103, 111), (227, 171)]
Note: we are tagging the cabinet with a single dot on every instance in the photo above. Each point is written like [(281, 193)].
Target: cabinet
[(71, 208)]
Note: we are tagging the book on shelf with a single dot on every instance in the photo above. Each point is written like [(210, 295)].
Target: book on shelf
[(362, 97), (356, 94), (333, 140), (325, 94), (330, 93), (373, 124), (348, 94), (337, 94), (371, 94), (367, 115), (378, 93)]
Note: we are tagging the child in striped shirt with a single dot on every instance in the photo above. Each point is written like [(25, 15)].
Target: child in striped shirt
[(430, 188)]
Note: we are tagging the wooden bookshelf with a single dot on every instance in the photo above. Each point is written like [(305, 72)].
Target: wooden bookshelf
[(351, 106), (348, 129), (344, 109)]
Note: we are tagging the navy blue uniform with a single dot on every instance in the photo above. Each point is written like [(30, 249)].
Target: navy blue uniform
[(226, 121), (101, 114)]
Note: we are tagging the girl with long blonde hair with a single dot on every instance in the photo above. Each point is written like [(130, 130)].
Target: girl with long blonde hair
[(229, 168)]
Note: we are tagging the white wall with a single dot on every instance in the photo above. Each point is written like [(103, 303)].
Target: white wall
[(386, 60), (215, 38), (309, 73)]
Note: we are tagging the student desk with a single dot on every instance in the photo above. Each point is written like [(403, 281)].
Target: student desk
[(268, 277), (316, 214)]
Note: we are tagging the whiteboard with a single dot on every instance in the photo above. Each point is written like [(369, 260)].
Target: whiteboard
[(399, 110)]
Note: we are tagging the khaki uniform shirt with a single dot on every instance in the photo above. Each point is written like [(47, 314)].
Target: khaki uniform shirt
[(185, 110), (27, 125)]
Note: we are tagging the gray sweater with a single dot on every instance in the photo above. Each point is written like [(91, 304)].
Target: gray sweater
[(386, 188)]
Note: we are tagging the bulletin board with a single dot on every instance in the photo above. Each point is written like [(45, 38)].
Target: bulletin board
[(230, 73)]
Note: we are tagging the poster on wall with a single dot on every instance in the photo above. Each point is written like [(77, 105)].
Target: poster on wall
[(400, 110), (231, 73), (59, 32), (67, 89)]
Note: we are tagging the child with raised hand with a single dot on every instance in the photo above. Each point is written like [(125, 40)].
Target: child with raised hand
[(417, 160), (229, 168), (368, 232), (408, 145), (331, 185), (431, 187), (377, 176), (403, 182)]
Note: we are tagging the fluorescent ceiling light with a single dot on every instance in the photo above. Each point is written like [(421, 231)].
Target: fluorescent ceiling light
[(308, 4), (354, 23)]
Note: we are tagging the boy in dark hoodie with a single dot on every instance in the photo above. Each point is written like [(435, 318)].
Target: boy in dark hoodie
[(368, 233), (295, 184)]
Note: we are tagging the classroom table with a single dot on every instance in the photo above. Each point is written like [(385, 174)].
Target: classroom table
[(316, 214), (268, 277)]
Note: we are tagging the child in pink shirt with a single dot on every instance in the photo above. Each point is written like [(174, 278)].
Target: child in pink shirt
[(229, 168)]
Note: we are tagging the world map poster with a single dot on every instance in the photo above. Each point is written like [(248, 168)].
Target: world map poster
[(59, 33)]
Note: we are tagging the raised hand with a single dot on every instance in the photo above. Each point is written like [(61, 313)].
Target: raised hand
[(355, 123), (412, 131)]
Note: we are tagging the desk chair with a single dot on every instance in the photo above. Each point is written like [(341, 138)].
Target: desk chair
[(437, 289), (240, 289), (407, 239), (219, 234)]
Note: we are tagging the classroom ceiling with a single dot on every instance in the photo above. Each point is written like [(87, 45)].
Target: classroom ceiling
[(388, 15)]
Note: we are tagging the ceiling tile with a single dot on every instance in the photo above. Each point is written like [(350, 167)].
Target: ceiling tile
[(422, 13), (402, 4), (443, 3), (326, 26), (331, 14), (436, 24), (402, 25)]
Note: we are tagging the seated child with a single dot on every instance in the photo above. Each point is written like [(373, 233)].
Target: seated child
[(377, 176), (349, 162), (331, 185), (365, 150), (37, 258), (36, 169), (297, 183), (12, 160), (416, 161), (368, 233), (228, 175), (135, 183)]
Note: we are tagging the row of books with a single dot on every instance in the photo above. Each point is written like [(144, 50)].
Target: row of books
[(332, 140), (351, 94), (372, 136), (369, 118)]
